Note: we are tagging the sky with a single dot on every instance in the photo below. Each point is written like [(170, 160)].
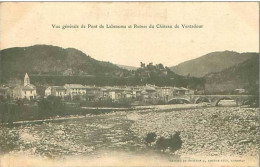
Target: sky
[(230, 26)]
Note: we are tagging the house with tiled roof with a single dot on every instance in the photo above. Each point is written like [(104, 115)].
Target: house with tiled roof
[(58, 91), (75, 90)]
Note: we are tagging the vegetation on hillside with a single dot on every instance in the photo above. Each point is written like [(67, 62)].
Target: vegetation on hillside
[(211, 62), (244, 75), (51, 65), (46, 60)]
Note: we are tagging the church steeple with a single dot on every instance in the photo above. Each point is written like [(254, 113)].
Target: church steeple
[(26, 80)]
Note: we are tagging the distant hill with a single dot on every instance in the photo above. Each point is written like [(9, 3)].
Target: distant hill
[(127, 67), (52, 65), (244, 75), (212, 62), (51, 60)]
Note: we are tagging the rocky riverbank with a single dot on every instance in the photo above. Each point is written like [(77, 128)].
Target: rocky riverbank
[(214, 131), (210, 131)]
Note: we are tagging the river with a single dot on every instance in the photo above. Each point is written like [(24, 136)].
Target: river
[(205, 131)]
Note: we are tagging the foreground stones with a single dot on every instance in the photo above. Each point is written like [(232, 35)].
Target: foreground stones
[(223, 131), (205, 131)]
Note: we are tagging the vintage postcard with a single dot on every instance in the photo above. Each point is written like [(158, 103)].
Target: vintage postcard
[(129, 84)]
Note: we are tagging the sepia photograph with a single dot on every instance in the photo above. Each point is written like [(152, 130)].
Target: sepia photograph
[(129, 84)]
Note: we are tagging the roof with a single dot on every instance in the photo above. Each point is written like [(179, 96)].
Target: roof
[(182, 88), (176, 88), (4, 88), (126, 92), (59, 87), (165, 87), (74, 86), (144, 92), (91, 87), (149, 88), (103, 89), (29, 87)]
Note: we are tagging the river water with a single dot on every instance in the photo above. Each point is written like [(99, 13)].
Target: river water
[(84, 136)]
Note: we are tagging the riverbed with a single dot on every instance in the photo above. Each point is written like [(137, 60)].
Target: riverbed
[(205, 131)]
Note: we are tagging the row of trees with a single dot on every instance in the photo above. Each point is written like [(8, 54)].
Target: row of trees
[(22, 109), (52, 106)]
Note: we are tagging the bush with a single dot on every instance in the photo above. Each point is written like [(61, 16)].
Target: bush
[(9, 113), (252, 101), (162, 144), (173, 143), (150, 137)]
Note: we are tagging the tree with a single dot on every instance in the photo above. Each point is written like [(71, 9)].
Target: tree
[(160, 66), (51, 106)]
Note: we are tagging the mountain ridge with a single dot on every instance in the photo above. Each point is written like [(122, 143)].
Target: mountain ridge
[(211, 62), (244, 75), (41, 59), (53, 65)]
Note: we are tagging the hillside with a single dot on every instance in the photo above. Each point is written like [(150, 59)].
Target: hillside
[(244, 75), (52, 65), (51, 60), (212, 62)]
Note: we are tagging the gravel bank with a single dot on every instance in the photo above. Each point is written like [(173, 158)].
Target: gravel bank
[(223, 131)]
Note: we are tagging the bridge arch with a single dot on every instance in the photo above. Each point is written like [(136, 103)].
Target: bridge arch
[(179, 101), (224, 98), (202, 99)]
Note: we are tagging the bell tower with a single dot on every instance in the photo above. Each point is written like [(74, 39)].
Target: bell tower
[(26, 80)]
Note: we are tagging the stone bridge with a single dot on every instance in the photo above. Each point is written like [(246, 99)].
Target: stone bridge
[(212, 99)]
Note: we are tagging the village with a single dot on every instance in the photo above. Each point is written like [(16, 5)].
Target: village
[(136, 84), (78, 92)]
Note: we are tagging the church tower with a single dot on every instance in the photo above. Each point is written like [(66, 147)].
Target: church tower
[(26, 80)]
